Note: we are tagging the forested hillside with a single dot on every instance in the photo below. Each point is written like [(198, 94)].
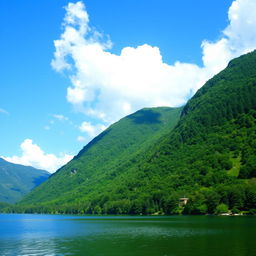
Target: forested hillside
[(104, 158), (17, 180), (209, 157)]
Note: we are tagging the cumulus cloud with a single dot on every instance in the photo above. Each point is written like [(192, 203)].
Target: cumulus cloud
[(107, 86), (91, 130), (33, 155), (238, 38)]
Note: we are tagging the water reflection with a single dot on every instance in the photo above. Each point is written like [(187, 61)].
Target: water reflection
[(68, 235), (27, 235)]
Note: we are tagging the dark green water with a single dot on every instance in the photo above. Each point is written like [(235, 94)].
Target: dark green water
[(88, 235)]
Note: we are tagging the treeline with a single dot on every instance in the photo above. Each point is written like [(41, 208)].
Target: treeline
[(4, 206), (236, 198)]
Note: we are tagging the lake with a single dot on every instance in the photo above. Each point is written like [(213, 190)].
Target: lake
[(36, 235)]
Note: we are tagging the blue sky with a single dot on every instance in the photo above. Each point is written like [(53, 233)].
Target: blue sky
[(56, 97)]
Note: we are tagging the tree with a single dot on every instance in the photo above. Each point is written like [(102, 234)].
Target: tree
[(221, 208)]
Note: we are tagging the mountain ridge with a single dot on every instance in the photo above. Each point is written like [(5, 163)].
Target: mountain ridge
[(132, 132), (17, 180)]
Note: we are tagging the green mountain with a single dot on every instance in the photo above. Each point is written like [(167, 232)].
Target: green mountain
[(135, 168), (17, 180), (105, 157)]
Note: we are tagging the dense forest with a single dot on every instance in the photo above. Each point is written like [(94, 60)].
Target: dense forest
[(205, 152)]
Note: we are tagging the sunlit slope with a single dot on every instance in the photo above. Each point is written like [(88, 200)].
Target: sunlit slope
[(105, 157), (17, 180)]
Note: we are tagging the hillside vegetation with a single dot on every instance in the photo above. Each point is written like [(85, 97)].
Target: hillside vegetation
[(209, 157), (17, 180), (102, 160)]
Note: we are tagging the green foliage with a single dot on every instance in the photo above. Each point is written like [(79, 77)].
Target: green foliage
[(3, 206), (221, 208), (147, 161), (104, 160)]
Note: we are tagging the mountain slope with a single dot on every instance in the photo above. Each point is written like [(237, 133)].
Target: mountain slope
[(102, 159), (17, 180), (209, 157)]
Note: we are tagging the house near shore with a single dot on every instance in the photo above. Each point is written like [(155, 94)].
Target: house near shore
[(183, 201)]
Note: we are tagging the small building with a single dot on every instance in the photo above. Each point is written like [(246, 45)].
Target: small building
[(183, 201)]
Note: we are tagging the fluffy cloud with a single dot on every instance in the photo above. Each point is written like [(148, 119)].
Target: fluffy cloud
[(239, 37), (91, 130), (33, 155), (107, 86)]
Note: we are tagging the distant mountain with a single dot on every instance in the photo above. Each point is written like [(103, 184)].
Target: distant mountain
[(17, 180), (148, 161)]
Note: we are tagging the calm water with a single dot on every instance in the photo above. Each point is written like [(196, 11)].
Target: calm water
[(87, 235)]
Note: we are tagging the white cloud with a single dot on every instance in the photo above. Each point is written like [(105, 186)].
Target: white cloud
[(3, 111), (107, 86), (33, 155), (91, 130), (60, 117), (239, 37)]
